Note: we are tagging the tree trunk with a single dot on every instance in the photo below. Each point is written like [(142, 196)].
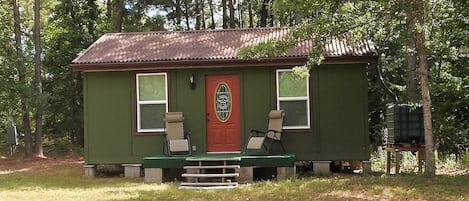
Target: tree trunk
[(37, 78), (178, 13), (240, 14), (271, 13), (22, 79), (427, 104), (232, 13), (197, 15), (264, 14), (202, 13), (186, 15), (225, 18), (411, 57), (251, 23), (210, 3), (109, 9), (118, 15)]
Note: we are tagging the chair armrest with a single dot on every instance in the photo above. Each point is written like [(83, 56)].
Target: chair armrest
[(274, 134)]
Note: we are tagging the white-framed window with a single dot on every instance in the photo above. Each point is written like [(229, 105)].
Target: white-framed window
[(293, 98), (152, 101)]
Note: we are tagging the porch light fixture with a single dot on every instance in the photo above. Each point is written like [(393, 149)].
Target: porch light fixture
[(192, 81)]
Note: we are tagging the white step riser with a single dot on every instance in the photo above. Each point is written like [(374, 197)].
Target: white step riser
[(209, 184), (214, 167), (221, 179), (211, 175)]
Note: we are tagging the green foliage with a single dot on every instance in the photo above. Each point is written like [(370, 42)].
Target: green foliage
[(384, 23), (61, 146), (69, 27), (378, 161), (449, 162), (465, 160), (450, 73), (445, 163), (138, 19), (72, 29)]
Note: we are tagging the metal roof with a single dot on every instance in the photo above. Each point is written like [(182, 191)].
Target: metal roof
[(118, 48)]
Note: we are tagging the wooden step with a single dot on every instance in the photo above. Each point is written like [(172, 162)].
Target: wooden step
[(211, 175), (209, 184), (213, 167), (218, 176)]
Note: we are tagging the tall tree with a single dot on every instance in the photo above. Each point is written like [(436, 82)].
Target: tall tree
[(73, 27), (202, 13), (198, 14), (38, 79), (187, 14), (224, 14), (425, 88), (449, 75), (250, 14), (411, 82), (358, 21), (232, 13), (264, 12), (178, 12), (212, 14), (240, 13), (8, 68), (22, 79), (117, 15)]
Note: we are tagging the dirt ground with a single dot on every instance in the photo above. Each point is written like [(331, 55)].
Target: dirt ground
[(20, 162)]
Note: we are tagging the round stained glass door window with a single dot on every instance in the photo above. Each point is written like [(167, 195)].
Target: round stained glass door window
[(223, 102)]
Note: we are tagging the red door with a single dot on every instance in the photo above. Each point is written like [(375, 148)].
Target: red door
[(223, 115)]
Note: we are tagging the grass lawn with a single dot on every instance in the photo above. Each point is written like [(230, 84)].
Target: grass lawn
[(66, 182)]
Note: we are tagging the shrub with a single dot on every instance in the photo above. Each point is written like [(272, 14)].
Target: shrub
[(409, 161), (465, 160)]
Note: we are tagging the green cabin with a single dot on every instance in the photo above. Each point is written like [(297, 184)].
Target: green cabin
[(132, 79)]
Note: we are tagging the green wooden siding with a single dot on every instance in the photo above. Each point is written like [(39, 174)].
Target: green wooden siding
[(343, 112), (339, 128), (110, 120)]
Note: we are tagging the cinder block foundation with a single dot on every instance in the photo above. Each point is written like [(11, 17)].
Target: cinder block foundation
[(192, 171), (286, 173), (132, 170), (246, 175), (366, 165), (90, 170), (153, 175), (322, 167)]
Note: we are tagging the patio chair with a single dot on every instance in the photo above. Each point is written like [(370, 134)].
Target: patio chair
[(263, 140), (176, 141)]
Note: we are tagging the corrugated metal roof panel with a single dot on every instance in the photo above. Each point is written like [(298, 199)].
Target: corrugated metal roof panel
[(200, 45)]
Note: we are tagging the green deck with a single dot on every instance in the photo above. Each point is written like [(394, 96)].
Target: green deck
[(278, 160)]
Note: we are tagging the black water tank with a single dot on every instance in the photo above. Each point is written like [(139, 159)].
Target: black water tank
[(405, 124)]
